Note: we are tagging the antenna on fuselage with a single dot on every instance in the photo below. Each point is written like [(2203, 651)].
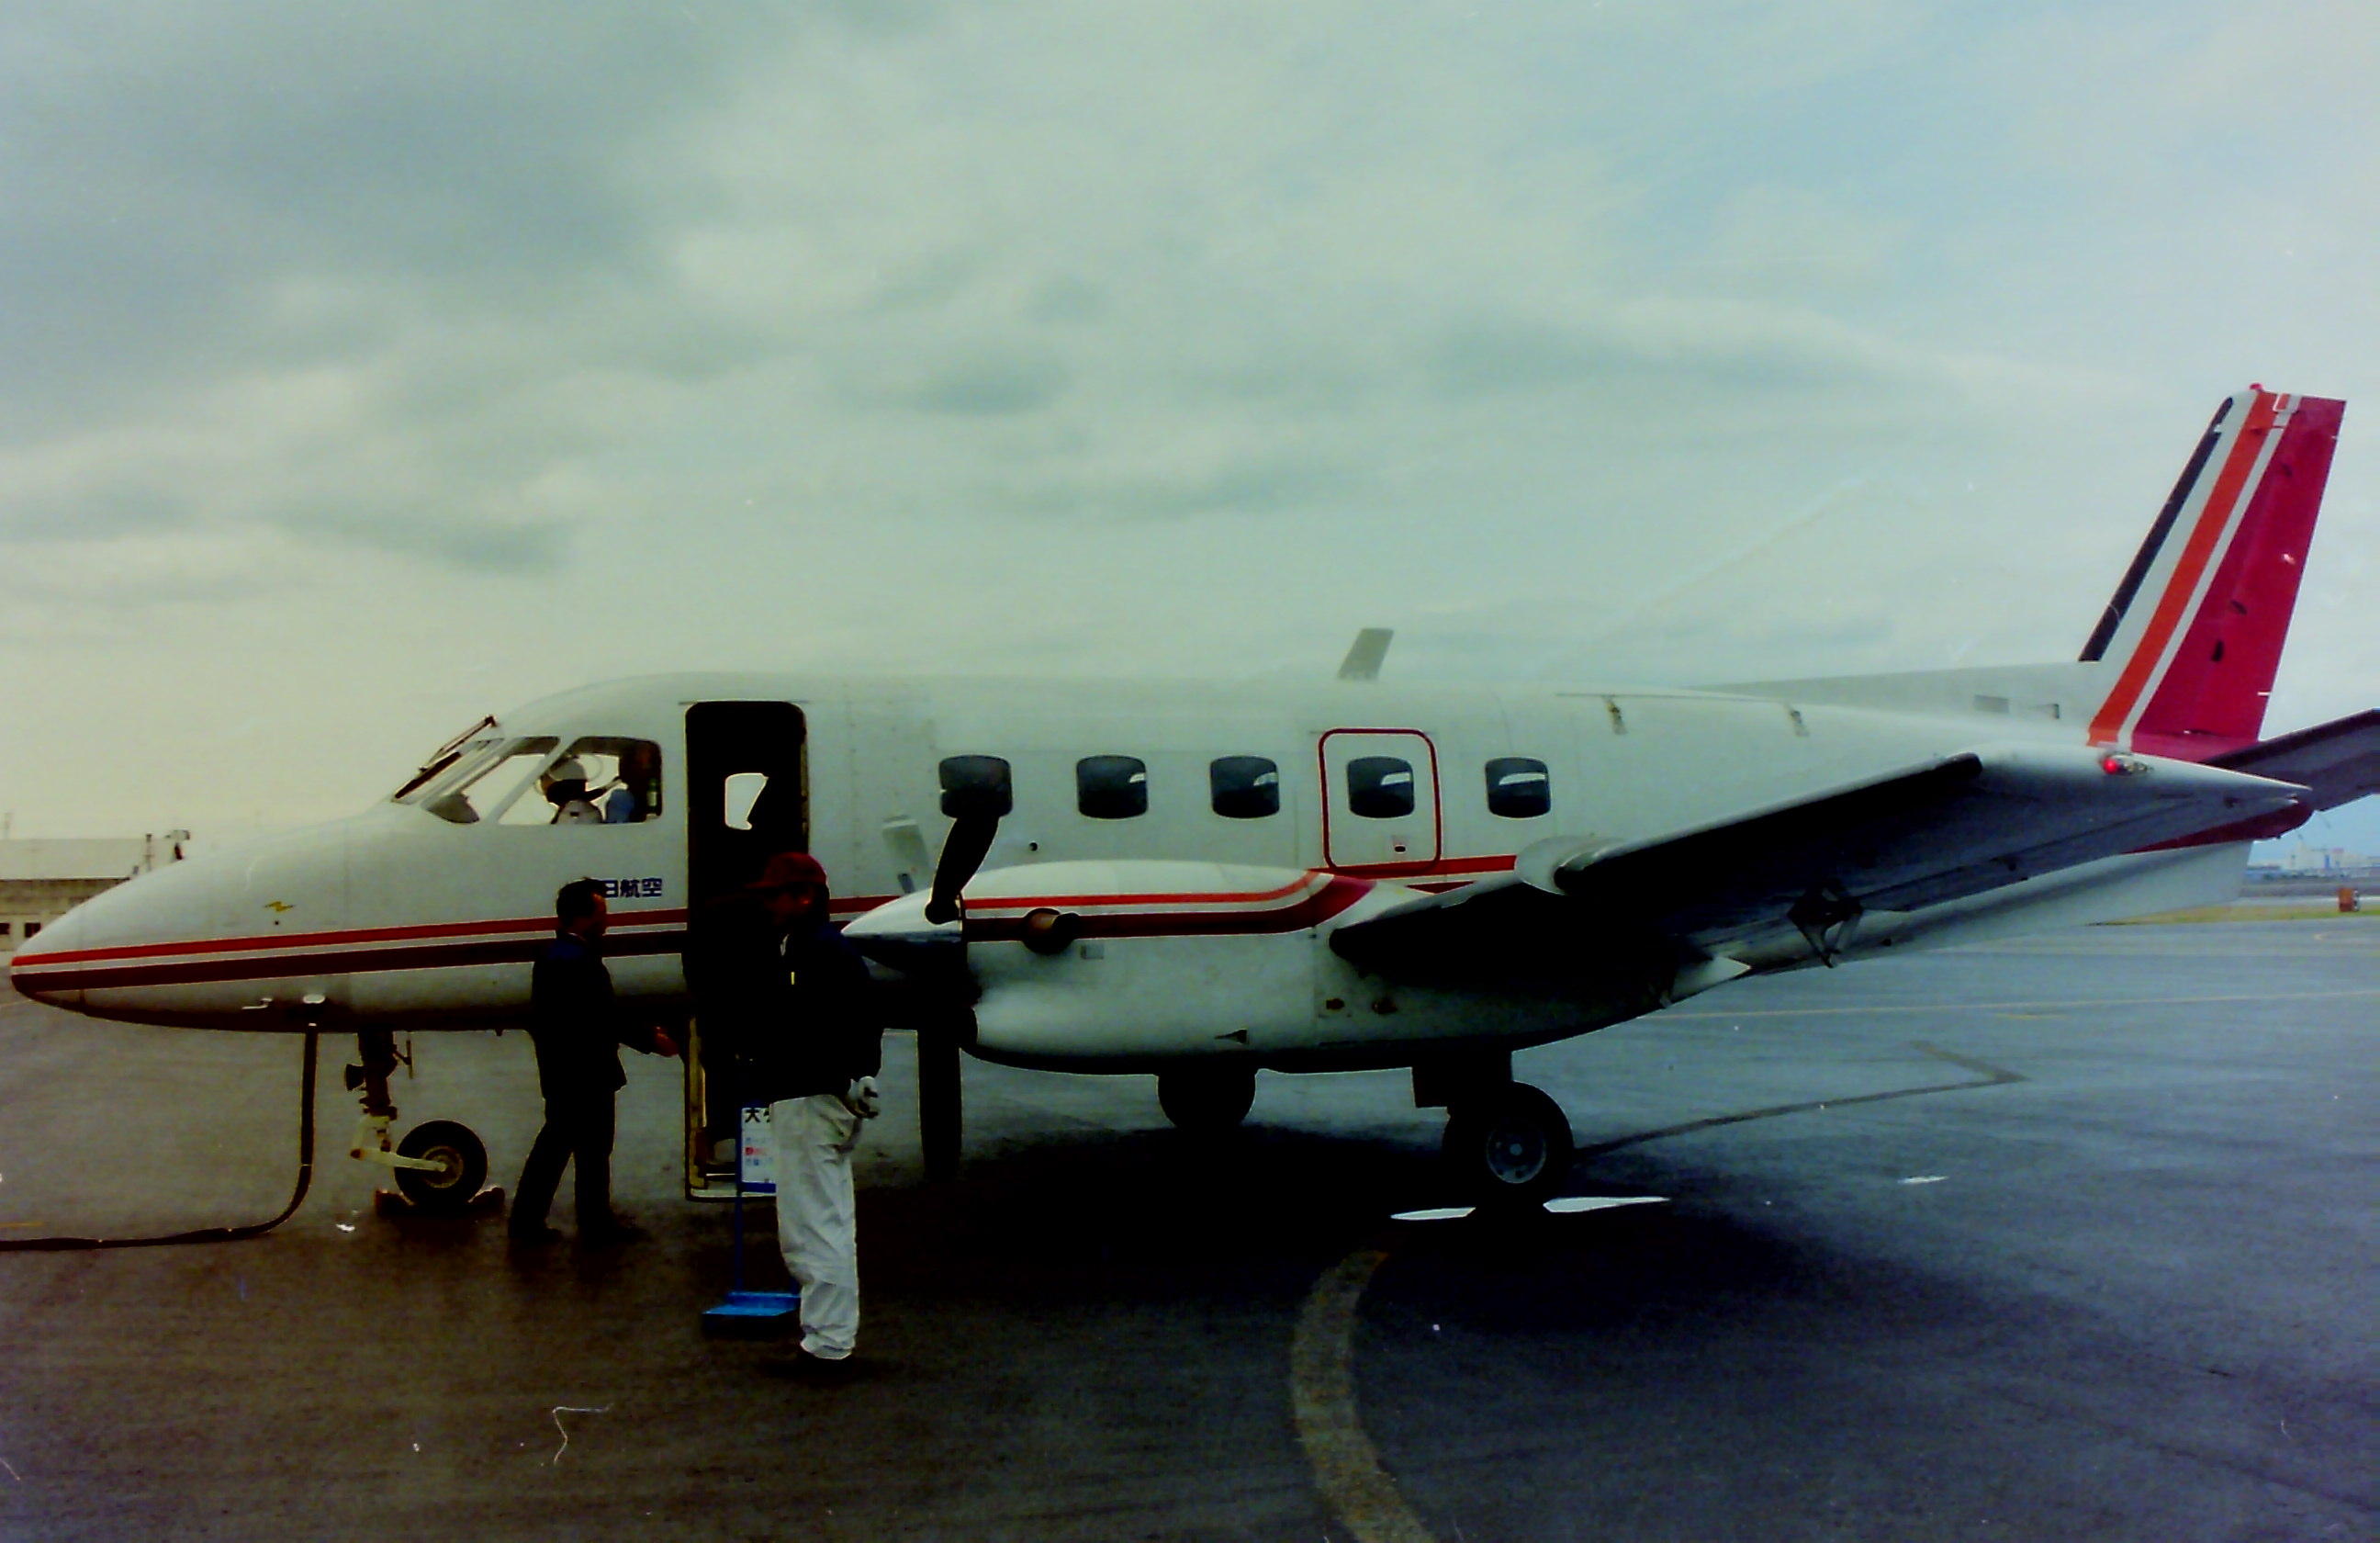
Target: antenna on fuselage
[(1362, 660)]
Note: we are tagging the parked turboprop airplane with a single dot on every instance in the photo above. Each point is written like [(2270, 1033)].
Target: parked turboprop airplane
[(1202, 880)]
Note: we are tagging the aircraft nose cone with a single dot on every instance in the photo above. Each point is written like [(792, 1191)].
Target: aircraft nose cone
[(34, 969), (193, 944)]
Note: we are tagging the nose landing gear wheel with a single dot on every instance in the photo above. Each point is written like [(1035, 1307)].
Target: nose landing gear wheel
[(1206, 1097), (1511, 1146), (462, 1166)]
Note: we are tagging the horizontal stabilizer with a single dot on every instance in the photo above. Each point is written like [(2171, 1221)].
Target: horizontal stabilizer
[(2338, 761)]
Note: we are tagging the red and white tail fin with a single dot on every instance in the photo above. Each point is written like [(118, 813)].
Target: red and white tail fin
[(2193, 635)]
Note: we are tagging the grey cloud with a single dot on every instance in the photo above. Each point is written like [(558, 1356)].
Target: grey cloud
[(993, 384), (934, 280), (91, 513), (495, 546), (1249, 484), (1481, 356), (1727, 344), (168, 172), (1068, 299)]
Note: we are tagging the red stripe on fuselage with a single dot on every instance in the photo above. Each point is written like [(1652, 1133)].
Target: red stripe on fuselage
[(364, 961), (1065, 902), (328, 940), (1457, 868), (295, 954), (1333, 897)]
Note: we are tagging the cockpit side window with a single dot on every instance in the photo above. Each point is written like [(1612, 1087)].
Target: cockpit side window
[(481, 786), (449, 767), (453, 753), (600, 780), (634, 794)]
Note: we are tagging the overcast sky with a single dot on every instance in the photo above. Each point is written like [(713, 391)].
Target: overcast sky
[(364, 368)]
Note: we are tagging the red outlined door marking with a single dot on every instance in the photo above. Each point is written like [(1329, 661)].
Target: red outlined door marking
[(1376, 768)]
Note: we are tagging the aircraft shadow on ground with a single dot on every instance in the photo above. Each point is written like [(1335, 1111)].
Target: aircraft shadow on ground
[(1273, 1192)]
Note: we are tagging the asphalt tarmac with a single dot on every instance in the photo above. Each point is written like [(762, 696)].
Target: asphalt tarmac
[(2068, 1238)]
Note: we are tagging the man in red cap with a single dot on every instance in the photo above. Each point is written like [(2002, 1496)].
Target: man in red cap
[(810, 1040)]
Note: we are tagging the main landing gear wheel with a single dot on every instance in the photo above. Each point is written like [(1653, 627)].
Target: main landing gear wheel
[(1510, 1148), (1206, 1097), (462, 1166)]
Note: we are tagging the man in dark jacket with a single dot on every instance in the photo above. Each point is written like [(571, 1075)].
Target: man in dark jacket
[(579, 1028), (800, 1015)]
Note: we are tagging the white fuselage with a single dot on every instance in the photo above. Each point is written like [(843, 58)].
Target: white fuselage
[(401, 917)]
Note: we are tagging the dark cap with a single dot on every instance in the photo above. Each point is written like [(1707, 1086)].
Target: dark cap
[(787, 870)]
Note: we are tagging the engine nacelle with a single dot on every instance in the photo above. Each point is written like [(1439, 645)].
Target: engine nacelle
[(1123, 966), (1119, 965)]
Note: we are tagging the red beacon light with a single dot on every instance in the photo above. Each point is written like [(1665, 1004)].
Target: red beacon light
[(2118, 765)]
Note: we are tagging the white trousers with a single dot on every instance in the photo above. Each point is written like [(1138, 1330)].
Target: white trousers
[(818, 1225)]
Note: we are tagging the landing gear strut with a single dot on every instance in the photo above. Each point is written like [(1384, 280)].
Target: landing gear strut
[(1509, 1145), (1206, 1097), (939, 1088), (440, 1165)]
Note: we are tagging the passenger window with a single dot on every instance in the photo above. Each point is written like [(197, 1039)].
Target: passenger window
[(1246, 788), (1518, 788), (487, 786), (1380, 787), (977, 785), (1111, 787)]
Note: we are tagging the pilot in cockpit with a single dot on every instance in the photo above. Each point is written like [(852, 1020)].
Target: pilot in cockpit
[(638, 792), (565, 786)]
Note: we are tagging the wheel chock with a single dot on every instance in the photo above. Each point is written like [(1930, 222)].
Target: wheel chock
[(487, 1202)]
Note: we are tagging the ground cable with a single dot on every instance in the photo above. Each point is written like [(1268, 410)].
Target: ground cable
[(210, 1234)]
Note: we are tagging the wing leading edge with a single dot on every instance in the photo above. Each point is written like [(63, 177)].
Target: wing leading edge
[(1575, 910)]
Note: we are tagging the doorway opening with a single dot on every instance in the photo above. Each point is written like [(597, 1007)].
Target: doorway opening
[(747, 797)]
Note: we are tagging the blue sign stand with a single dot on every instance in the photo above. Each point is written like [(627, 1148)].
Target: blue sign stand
[(748, 1314)]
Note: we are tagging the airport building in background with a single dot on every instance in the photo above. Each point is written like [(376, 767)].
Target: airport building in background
[(41, 881)]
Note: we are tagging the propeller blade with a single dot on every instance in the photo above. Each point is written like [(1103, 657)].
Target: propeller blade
[(962, 852)]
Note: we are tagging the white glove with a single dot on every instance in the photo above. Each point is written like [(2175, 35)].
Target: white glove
[(862, 1099)]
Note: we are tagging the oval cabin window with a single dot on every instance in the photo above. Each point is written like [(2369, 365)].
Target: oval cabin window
[(1519, 788), (1380, 788), (1111, 787), (1245, 788)]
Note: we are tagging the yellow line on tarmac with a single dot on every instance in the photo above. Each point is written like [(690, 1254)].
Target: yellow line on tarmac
[(1322, 1397), (2007, 1006)]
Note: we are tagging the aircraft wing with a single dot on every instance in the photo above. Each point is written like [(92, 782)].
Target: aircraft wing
[(1917, 837), (2338, 761)]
